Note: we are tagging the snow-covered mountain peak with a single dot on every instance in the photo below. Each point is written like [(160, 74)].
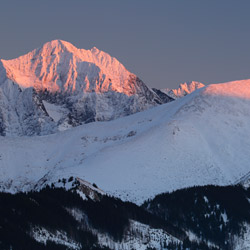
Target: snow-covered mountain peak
[(60, 66), (94, 49), (184, 89), (58, 46), (213, 97), (237, 89), (191, 86), (72, 86), (202, 138)]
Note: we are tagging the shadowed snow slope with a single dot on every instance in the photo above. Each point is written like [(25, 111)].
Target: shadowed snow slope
[(202, 138), (83, 85)]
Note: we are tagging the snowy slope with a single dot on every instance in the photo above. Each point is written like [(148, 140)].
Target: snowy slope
[(184, 89), (87, 85), (202, 138)]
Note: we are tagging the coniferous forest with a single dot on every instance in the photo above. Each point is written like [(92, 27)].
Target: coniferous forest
[(212, 213)]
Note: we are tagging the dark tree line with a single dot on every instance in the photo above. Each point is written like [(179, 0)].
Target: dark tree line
[(198, 209), (213, 213)]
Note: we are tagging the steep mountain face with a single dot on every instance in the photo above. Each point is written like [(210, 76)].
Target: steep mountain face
[(184, 89), (70, 86), (22, 112), (200, 139), (164, 97)]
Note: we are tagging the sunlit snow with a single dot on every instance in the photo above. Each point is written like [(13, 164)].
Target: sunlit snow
[(200, 139)]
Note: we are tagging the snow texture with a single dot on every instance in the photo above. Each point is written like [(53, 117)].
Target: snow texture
[(59, 86), (202, 138), (184, 89), (42, 235)]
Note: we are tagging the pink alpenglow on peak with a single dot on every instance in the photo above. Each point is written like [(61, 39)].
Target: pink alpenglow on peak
[(59, 86), (60, 66), (184, 89), (235, 89)]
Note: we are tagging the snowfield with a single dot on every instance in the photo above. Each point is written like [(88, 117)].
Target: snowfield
[(202, 138)]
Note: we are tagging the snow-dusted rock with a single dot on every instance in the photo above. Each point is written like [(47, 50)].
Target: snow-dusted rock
[(184, 89), (88, 85), (22, 112)]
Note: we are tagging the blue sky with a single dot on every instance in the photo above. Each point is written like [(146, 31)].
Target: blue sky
[(163, 42)]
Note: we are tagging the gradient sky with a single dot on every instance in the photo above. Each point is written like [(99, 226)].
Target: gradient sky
[(163, 42)]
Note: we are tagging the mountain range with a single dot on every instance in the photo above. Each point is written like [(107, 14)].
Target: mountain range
[(71, 115), (59, 86), (196, 140), (183, 89)]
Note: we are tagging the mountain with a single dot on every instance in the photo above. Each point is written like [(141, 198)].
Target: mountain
[(183, 90), (59, 86), (125, 183), (207, 218), (164, 97), (200, 139)]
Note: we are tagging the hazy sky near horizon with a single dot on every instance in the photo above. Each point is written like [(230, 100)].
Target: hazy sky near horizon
[(163, 42)]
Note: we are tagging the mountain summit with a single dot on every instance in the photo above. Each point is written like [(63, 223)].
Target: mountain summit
[(184, 89), (60, 66), (59, 86)]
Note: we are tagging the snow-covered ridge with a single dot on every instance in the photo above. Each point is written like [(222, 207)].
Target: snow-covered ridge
[(67, 86), (60, 66), (202, 138), (184, 89)]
